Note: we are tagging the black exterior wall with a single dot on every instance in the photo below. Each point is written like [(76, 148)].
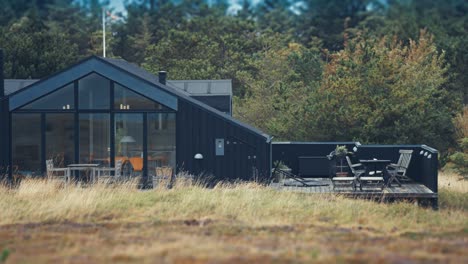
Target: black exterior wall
[(5, 138), (220, 102), (246, 153)]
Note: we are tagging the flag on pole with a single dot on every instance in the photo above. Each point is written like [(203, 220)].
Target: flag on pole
[(112, 16), (105, 14)]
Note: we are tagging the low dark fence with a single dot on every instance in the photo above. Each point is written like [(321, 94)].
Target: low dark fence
[(429, 167), (309, 158), (423, 167), (390, 152)]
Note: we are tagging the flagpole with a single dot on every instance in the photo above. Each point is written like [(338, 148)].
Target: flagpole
[(103, 33)]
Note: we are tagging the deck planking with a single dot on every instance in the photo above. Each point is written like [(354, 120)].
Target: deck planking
[(406, 191)]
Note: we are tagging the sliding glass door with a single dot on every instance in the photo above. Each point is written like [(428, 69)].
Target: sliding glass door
[(161, 142), (94, 145), (128, 143), (59, 136), (26, 144)]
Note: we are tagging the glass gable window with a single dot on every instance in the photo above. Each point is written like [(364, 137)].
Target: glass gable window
[(63, 98), (126, 99), (94, 92), (93, 126)]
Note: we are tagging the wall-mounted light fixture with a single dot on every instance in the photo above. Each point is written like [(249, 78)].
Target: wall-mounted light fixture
[(198, 156)]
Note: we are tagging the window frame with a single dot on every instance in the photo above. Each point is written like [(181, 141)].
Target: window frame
[(77, 111)]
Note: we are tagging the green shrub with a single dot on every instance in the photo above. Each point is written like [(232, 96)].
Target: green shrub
[(460, 158)]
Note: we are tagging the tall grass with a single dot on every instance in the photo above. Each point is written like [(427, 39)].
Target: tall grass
[(248, 203), (453, 191)]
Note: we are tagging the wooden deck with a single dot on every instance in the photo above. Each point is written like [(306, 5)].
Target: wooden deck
[(323, 185)]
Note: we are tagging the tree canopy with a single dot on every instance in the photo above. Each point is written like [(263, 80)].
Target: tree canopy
[(375, 71)]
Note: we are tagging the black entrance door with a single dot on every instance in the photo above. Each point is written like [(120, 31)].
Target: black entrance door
[(242, 158)]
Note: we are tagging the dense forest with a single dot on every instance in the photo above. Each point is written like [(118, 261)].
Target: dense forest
[(317, 70)]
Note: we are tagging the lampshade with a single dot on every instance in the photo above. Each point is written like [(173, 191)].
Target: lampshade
[(127, 139)]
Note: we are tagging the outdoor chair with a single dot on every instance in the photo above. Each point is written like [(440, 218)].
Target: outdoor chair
[(373, 178), (106, 173), (357, 169), (398, 171), (163, 176), (348, 181), (51, 171)]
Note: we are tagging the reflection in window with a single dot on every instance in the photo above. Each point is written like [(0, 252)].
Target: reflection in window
[(60, 144), (161, 142), (63, 98), (26, 144), (93, 92), (94, 138), (129, 143), (125, 99)]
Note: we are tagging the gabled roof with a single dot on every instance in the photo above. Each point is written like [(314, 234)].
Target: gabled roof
[(192, 87), (203, 87), (92, 64), (113, 69), (13, 85), (137, 71)]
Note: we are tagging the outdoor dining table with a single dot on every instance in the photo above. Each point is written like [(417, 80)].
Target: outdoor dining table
[(85, 167), (376, 165)]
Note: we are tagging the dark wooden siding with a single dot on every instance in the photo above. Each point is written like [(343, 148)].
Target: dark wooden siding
[(220, 102), (197, 129), (5, 137)]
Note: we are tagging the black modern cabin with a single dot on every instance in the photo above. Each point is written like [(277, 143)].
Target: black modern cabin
[(102, 109)]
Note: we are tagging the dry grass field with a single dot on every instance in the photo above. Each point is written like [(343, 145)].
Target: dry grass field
[(43, 222)]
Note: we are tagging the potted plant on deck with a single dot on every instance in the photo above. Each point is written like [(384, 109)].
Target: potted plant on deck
[(340, 161)]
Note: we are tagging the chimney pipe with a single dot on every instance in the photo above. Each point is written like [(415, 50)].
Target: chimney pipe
[(162, 77), (2, 81)]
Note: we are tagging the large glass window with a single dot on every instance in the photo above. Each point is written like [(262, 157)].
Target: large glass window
[(26, 144), (161, 141), (94, 92), (63, 98), (94, 112), (60, 144), (94, 138), (125, 99), (129, 142)]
